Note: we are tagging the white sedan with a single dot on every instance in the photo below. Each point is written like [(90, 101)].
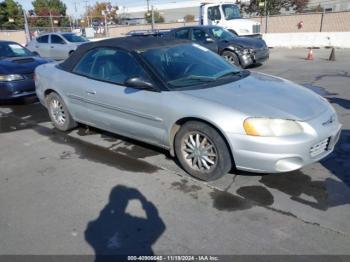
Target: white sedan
[(56, 45)]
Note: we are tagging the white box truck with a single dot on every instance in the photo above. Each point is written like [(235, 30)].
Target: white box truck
[(227, 15)]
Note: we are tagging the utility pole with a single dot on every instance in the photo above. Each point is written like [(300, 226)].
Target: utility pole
[(152, 19), (147, 5), (266, 15), (26, 27), (52, 29), (86, 10)]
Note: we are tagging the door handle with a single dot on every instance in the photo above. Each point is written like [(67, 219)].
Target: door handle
[(36, 46), (91, 92), (52, 46)]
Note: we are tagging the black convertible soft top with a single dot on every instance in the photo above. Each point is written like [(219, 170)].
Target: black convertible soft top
[(135, 43)]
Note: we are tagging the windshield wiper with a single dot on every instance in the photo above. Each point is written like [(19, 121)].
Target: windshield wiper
[(192, 78), (201, 78), (231, 73)]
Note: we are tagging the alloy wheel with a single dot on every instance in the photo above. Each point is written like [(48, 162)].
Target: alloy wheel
[(57, 112), (199, 152)]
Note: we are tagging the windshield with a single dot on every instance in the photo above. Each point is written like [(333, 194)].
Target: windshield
[(188, 65), (74, 38), (222, 34), (231, 12), (9, 49)]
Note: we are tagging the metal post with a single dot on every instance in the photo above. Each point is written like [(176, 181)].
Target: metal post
[(26, 27), (152, 18), (106, 27), (321, 25), (70, 23), (266, 15), (147, 5), (52, 29)]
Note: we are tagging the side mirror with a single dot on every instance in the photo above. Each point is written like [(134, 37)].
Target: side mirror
[(139, 83), (209, 40)]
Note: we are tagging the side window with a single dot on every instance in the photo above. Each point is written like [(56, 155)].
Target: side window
[(43, 39), (55, 39), (111, 65), (84, 66), (182, 34), (214, 13), (199, 35)]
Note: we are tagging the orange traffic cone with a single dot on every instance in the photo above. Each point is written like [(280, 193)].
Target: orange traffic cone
[(310, 55)]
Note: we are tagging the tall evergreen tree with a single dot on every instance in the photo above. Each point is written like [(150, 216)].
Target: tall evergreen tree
[(11, 15)]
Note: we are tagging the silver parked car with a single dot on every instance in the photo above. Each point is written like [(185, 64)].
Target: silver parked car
[(180, 96), (56, 45)]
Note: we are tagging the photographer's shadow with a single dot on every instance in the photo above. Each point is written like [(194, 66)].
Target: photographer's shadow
[(116, 232)]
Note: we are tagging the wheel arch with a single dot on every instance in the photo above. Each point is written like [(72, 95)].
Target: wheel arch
[(180, 122), (231, 49), (49, 91)]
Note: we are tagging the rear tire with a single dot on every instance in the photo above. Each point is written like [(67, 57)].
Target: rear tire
[(202, 151), (231, 57), (58, 112)]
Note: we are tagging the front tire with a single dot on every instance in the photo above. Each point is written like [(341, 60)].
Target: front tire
[(231, 57), (202, 151), (58, 112)]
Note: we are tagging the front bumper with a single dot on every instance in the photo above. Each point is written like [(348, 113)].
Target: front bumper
[(258, 56), (17, 89), (284, 154)]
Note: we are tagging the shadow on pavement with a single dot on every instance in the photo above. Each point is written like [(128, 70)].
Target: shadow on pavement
[(340, 101), (116, 232), (22, 116), (339, 161)]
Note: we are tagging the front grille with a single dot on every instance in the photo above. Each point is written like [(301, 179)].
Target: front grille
[(320, 147), (256, 29)]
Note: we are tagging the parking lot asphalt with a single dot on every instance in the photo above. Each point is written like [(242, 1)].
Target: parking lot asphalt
[(64, 193)]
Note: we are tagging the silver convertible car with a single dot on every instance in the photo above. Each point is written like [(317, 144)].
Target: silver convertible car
[(180, 96)]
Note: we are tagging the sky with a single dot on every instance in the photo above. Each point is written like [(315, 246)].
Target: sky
[(80, 4)]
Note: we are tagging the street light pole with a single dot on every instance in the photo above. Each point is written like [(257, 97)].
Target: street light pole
[(51, 22), (266, 15), (152, 19), (26, 27)]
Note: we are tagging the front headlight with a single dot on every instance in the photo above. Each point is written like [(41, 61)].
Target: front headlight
[(12, 77), (271, 127)]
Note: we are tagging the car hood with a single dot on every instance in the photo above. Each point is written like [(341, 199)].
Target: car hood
[(21, 65), (260, 95), (248, 42)]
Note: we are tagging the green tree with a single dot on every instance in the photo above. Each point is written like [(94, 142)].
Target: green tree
[(189, 18), (158, 18), (11, 15), (55, 8), (95, 12), (273, 6), (299, 5)]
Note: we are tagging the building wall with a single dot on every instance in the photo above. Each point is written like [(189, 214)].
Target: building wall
[(17, 36)]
